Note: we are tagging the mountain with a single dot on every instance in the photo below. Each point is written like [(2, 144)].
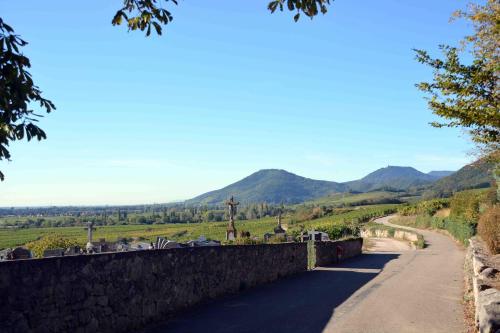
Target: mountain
[(271, 186), (440, 174), (391, 177), (275, 186), (475, 175)]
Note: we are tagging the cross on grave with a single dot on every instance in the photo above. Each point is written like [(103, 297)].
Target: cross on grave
[(231, 229), (90, 227), (279, 229)]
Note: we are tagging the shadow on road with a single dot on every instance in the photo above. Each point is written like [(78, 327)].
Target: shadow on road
[(302, 303)]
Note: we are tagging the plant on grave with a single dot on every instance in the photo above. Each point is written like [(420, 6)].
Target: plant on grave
[(49, 242)]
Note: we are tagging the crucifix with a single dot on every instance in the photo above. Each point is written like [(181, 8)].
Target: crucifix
[(231, 230), (279, 229)]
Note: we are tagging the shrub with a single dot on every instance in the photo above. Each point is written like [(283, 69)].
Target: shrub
[(53, 241), (337, 231), (489, 228), (244, 241), (423, 221), (460, 229), (426, 207), (420, 242), (466, 204)]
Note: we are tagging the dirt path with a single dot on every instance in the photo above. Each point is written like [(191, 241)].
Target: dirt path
[(377, 292)]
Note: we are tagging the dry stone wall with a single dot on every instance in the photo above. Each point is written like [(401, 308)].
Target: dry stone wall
[(486, 295), (126, 291), (118, 292)]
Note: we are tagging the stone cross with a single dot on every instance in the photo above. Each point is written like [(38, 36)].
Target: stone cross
[(89, 228), (279, 218), (232, 208), (279, 230), (231, 230)]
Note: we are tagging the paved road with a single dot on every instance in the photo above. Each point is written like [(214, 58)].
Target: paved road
[(405, 291), (386, 245), (420, 291)]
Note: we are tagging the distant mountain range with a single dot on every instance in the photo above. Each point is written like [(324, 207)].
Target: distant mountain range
[(276, 186), (475, 175)]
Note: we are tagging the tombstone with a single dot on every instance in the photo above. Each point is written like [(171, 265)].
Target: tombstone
[(318, 236), (5, 254), (267, 236), (53, 253), (73, 250), (231, 229), (20, 253)]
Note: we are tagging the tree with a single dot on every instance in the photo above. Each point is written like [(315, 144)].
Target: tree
[(467, 95), (18, 119)]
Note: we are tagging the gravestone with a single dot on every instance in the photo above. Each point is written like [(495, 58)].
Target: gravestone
[(53, 253), (20, 253)]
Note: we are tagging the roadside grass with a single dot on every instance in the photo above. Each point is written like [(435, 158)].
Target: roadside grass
[(458, 228)]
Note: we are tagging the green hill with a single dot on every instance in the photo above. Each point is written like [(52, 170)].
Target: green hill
[(271, 186), (475, 175), (391, 178), (275, 186)]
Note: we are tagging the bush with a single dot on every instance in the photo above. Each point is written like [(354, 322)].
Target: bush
[(420, 242), (460, 229), (244, 241), (426, 207), (489, 228), (337, 231), (53, 241), (467, 204)]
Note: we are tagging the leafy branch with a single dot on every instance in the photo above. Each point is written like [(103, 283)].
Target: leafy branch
[(17, 119)]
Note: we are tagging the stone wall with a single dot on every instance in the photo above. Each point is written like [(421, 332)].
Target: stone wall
[(327, 253), (400, 234), (485, 270), (119, 292)]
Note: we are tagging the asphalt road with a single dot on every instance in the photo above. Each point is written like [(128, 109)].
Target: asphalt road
[(396, 292), (420, 291)]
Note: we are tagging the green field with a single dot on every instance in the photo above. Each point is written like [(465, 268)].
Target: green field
[(182, 231)]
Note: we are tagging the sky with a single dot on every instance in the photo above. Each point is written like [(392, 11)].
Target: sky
[(227, 90)]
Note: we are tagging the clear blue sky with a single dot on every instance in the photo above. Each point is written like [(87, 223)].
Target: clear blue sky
[(228, 89)]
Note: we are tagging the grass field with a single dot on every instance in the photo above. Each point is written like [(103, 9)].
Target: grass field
[(179, 232)]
